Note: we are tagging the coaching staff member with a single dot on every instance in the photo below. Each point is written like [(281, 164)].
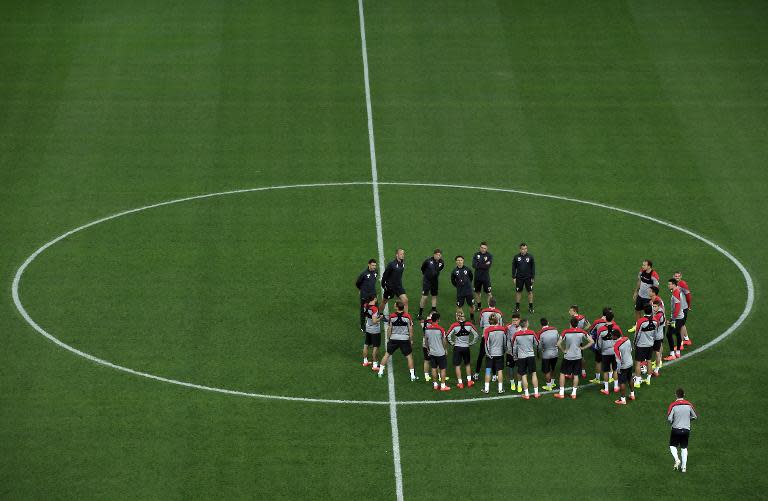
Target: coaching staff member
[(366, 284), (481, 262), (392, 280), (430, 270), (523, 273)]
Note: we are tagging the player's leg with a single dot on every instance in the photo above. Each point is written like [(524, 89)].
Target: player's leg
[(457, 368), (422, 303), (524, 380), (673, 443), (637, 378), (684, 451), (480, 360), (426, 364), (518, 293), (679, 326), (488, 362), (404, 299), (561, 393), (684, 330), (411, 369), (671, 342), (366, 363), (529, 288), (435, 375), (376, 344), (443, 366), (535, 382), (575, 384), (583, 368), (500, 375)]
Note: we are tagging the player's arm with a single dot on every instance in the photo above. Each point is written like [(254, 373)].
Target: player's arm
[(475, 261), (388, 330), (533, 269), (475, 335), (589, 344), (410, 331), (636, 291), (453, 279), (514, 268), (560, 343), (471, 275), (359, 281)]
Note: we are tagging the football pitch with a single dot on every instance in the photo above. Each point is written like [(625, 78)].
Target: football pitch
[(189, 190)]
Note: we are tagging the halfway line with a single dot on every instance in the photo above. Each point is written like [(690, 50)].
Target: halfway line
[(380, 242)]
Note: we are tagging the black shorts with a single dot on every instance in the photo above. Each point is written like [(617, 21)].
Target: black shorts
[(398, 344), (685, 314), (571, 367), (394, 292), (608, 363), (440, 362), (679, 438), (643, 353), (460, 355), (510, 361), (625, 375), (679, 323), (598, 357), (460, 300), (640, 303), (548, 364), (494, 363), (526, 365), (657, 343), (523, 282), (373, 339), (428, 288), (483, 285), (425, 352)]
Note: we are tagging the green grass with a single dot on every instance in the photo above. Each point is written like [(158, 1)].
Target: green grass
[(106, 107)]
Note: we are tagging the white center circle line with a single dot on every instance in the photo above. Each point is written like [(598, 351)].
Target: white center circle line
[(20, 272)]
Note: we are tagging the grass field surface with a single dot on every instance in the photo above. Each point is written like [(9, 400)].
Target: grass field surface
[(106, 107)]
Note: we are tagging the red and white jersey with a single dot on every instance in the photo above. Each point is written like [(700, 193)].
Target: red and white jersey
[(485, 314), (401, 325), (685, 294), (660, 302), (582, 321), (660, 320), (677, 305), (647, 280)]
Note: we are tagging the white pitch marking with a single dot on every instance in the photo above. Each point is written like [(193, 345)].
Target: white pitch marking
[(380, 243), (20, 271)]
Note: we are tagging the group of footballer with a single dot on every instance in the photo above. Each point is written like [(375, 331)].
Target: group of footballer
[(618, 360)]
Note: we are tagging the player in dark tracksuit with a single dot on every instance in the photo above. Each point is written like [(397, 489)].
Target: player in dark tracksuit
[(366, 284), (430, 271), (461, 278), (481, 263), (392, 281), (523, 273)]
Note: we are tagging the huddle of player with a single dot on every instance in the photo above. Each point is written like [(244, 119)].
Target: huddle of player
[(619, 361)]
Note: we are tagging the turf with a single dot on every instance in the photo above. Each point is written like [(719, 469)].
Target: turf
[(106, 107)]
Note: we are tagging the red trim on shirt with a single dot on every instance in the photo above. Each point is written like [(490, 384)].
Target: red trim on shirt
[(616, 346), (492, 328), (435, 326), (678, 303), (490, 310), (684, 285), (679, 402), (526, 332)]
